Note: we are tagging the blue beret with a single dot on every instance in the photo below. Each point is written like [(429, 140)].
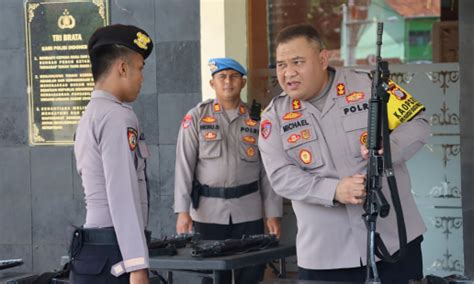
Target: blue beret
[(128, 36), (219, 64)]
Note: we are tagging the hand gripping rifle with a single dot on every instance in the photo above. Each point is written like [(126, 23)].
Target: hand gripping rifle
[(378, 166)]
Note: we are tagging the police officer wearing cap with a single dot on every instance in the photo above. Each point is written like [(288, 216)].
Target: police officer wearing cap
[(110, 152), (220, 185), (312, 141)]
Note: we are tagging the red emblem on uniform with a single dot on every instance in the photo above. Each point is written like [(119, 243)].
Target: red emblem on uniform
[(208, 119), (250, 122), (242, 109), (250, 151), (294, 138), (266, 128), (341, 89), (355, 97), (306, 156), (292, 115), (132, 135), (210, 135), (250, 139), (187, 121), (363, 138), (217, 107), (305, 134), (296, 104)]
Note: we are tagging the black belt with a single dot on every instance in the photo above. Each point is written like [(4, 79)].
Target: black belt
[(102, 236), (228, 192)]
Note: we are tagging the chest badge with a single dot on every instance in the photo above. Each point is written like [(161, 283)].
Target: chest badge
[(250, 151), (250, 139), (305, 134), (132, 138), (355, 97), (294, 138), (292, 115), (208, 119), (363, 138), (210, 135), (250, 122), (306, 157)]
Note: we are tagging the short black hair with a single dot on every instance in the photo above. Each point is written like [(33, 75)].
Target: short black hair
[(104, 56), (300, 30)]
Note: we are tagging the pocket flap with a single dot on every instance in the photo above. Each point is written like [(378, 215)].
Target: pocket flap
[(89, 266), (356, 121)]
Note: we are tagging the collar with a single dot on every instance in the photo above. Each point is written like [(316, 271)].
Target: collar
[(101, 94)]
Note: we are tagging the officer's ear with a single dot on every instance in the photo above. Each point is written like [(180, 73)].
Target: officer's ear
[(211, 83), (122, 66), (244, 82), (324, 58)]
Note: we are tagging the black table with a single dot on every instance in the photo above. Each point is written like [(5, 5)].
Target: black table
[(183, 261)]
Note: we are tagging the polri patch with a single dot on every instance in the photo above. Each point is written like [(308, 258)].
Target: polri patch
[(187, 120), (132, 135), (341, 89), (266, 128), (306, 157), (292, 115)]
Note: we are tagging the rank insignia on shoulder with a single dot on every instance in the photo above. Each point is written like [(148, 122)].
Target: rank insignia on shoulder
[(208, 119), (266, 128), (306, 156), (250, 122), (250, 139), (132, 135), (242, 110), (294, 138), (210, 135), (363, 138), (292, 115), (250, 151), (355, 97), (187, 120), (341, 89), (217, 107), (296, 104)]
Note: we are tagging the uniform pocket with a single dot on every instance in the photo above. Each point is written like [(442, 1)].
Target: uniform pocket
[(210, 144), (89, 265), (355, 127), (303, 147), (248, 148)]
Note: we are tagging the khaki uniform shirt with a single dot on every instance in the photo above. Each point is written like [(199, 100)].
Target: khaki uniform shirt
[(306, 152), (220, 152), (111, 162)]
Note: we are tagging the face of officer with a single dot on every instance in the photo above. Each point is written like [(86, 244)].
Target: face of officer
[(301, 67), (131, 76), (228, 84)]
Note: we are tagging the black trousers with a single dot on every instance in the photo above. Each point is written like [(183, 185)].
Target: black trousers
[(248, 275), (91, 262), (408, 268)]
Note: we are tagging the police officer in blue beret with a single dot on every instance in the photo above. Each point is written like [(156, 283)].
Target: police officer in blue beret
[(221, 189), (110, 151)]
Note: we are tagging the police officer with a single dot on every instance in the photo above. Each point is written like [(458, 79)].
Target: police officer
[(110, 151), (218, 163), (312, 141)]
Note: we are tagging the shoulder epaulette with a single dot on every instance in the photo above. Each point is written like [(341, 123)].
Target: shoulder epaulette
[(275, 98)]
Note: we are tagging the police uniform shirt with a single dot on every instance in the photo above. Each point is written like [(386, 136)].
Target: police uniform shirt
[(222, 152), (110, 159), (306, 152)]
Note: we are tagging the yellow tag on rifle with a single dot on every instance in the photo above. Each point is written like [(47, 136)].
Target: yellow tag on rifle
[(401, 106)]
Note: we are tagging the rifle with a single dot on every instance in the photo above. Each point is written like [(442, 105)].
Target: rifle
[(378, 166), (234, 246), (169, 246)]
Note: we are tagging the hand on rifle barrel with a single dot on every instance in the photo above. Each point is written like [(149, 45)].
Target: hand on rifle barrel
[(365, 152), (351, 190)]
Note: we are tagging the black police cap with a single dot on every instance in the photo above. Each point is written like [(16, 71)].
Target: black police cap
[(124, 35)]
